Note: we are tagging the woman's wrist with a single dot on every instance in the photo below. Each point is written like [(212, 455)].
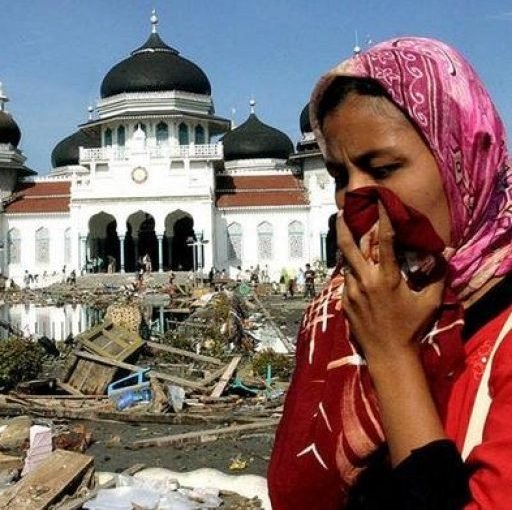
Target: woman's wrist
[(384, 362)]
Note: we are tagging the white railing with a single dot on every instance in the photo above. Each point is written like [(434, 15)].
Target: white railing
[(186, 151), (161, 151), (102, 153)]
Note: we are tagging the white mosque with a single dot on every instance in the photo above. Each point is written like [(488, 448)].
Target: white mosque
[(156, 171)]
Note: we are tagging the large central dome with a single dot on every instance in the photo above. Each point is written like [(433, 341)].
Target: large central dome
[(155, 67)]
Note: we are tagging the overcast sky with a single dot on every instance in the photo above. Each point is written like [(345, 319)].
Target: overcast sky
[(55, 53)]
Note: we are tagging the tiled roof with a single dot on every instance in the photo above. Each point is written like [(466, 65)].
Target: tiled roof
[(40, 197), (259, 191)]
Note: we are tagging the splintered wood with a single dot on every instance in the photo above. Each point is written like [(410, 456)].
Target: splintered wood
[(62, 472), (226, 376), (202, 436), (108, 341)]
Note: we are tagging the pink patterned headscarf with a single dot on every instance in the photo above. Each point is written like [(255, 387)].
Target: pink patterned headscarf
[(442, 95)]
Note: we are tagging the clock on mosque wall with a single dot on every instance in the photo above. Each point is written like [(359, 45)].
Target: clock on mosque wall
[(139, 174)]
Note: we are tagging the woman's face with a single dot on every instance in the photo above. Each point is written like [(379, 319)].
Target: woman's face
[(370, 142)]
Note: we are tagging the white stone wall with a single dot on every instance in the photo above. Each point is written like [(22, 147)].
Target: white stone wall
[(249, 219), (321, 189), (28, 224)]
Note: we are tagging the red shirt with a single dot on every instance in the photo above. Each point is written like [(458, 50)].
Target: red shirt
[(491, 481)]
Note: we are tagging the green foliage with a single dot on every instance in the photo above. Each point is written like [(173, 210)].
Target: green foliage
[(20, 360), (282, 365)]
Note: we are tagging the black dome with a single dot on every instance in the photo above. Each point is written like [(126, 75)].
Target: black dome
[(305, 124), (9, 130), (155, 67), (253, 139), (66, 151)]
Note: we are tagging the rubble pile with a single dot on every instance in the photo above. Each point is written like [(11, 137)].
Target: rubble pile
[(222, 365)]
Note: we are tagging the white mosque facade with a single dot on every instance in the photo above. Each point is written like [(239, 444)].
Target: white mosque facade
[(156, 171)]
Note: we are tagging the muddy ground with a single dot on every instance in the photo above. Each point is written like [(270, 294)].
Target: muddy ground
[(111, 439)]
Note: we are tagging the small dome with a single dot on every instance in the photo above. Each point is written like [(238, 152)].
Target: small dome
[(155, 67), (66, 151), (253, 139), (305, 124), (9, 130)]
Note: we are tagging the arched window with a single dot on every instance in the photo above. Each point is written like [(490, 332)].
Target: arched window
[(265, 241), (14, 246), (296, 240), (108, 137), (183, 134), (199, 135), (121, 136), (162, 133), (42, 246), (235, 242), (67, 245)]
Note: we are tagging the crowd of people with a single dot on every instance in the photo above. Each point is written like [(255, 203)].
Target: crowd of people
[(290, 283)]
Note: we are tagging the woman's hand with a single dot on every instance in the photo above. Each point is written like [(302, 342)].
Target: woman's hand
[(386, 317)]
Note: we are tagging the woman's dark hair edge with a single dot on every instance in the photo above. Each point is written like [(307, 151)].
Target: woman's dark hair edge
[(343, 86)]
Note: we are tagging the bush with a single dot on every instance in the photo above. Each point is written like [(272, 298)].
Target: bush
[(282, 365), (20, 360)]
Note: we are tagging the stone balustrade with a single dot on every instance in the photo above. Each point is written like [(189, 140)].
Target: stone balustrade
[(192, 151)]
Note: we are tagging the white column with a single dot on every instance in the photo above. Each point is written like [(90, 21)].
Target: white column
[(160, 239), (83, 253), (121, 250)]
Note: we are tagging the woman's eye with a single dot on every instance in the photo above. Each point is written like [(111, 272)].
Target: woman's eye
[(381, 172)]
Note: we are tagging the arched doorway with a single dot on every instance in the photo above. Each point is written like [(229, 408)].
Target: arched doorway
[(103, 241), (179, 228), (140, 240)]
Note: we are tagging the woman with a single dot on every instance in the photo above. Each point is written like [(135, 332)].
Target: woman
[(397, 355)]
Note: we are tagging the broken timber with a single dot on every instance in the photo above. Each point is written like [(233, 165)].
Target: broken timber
[(184, 353), (107, 341), (201, 436), (134, 368), (48, 482), (226, 376)]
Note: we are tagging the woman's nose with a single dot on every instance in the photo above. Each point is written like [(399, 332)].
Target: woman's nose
[(358, 179)]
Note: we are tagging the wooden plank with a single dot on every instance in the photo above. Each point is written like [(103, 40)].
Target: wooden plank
[(135, 368), (201, 436), (93, 378), (10, 410), (67, 387), (28, 396), (47, 483), (226, 376), (10, 462), (182, 352), (214, 376)]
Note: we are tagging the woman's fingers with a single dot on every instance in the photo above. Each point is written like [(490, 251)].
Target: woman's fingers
[(348, 247), (387, 258)]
